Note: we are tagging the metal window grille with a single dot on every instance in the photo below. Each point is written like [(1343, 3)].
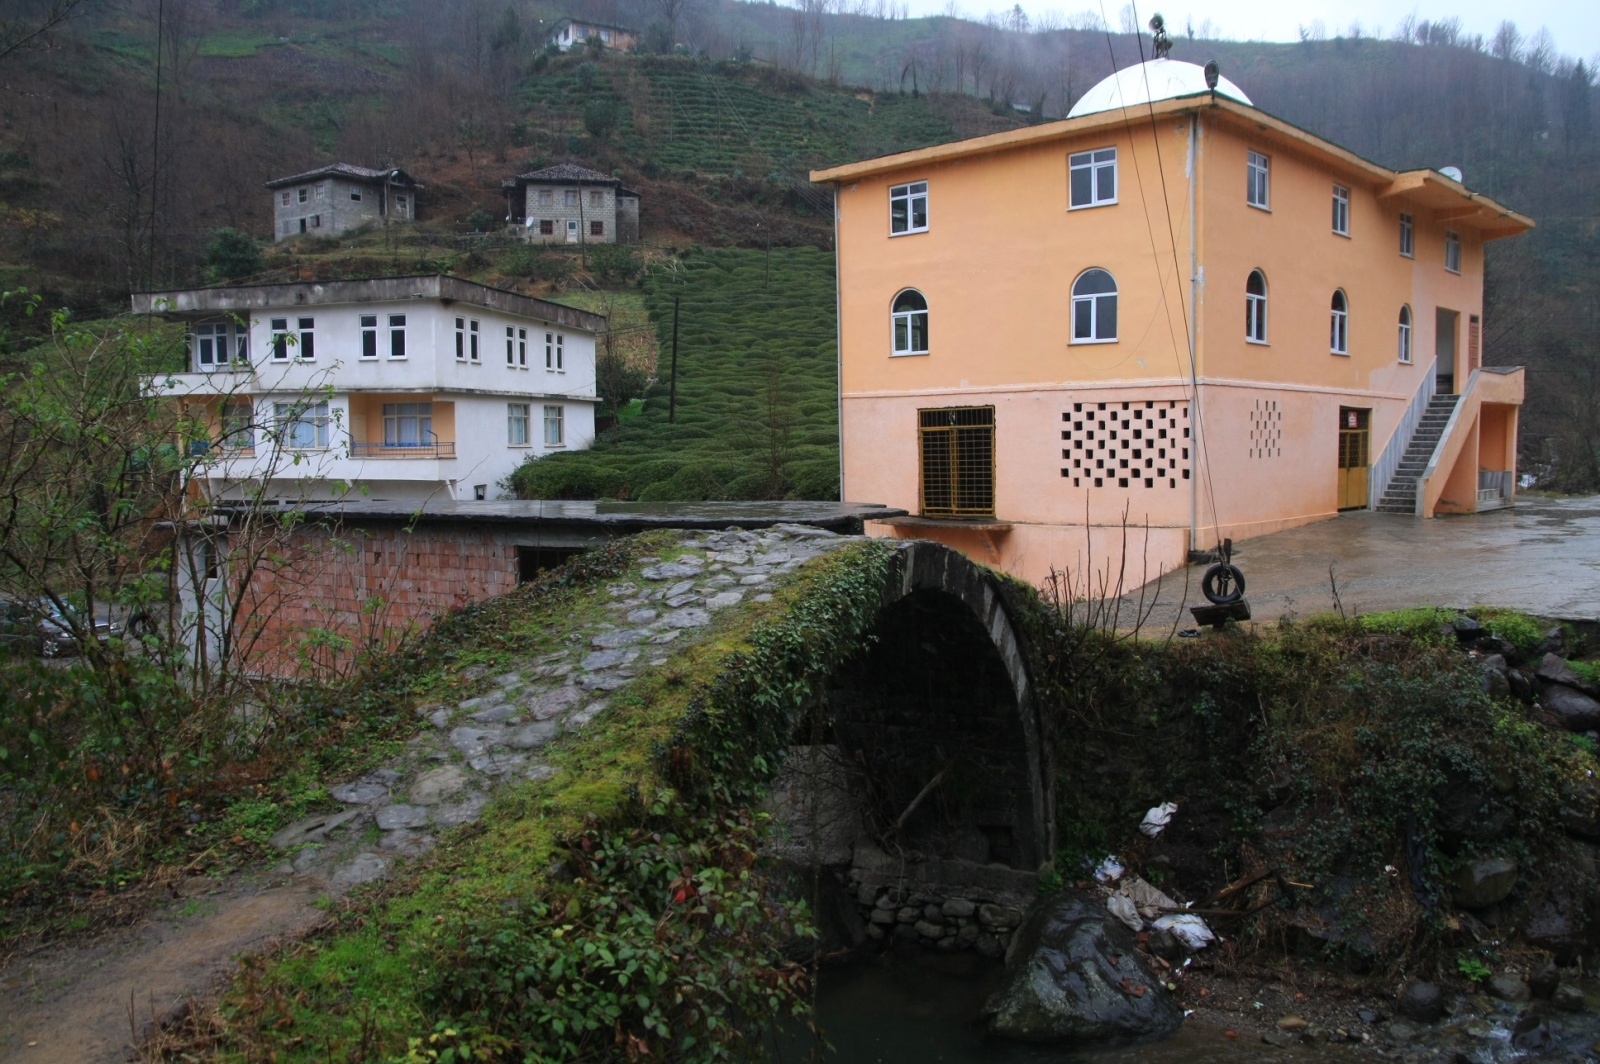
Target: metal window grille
[(1354, 438), (956, 445)]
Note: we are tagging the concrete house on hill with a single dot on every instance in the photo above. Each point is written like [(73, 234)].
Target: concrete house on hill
[(1170, 313), (338, 197), (570, 204), (572, 33), (399, 389)]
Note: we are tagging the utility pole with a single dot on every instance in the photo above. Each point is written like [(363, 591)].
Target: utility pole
[(672, 388)]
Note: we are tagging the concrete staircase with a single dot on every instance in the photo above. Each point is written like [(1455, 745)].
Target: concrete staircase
[(1400, 497)]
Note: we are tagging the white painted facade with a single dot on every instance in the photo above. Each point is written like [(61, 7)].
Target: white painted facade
[(410, 398)]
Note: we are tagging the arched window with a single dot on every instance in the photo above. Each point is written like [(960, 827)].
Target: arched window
[(1094, 308), (1339, 326), (1405, 334), (910, 323), (1255, 308)]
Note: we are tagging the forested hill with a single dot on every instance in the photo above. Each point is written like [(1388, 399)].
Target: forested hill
[(119, 158)]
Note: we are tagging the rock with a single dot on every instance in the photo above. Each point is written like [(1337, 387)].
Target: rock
[(540, 772), (1568, 998), (1496, 684), (1075, 980), (1521, 686), (474, 741), (642, 616), (1580, 809), (724, 599), (497, 764), (1497, 662), (626, 637), (678, 570), (1280, 1039), (1544, 980), (494, 714), (406, 842), (1534, 1033), (908, 914), (533, 736), (313, 829), (604, 659), (1482, 883), (988, 946), (675, 601), (958, 907), (968, 935), (995, 918), (1420, 1001), (435, 786), (1508, 986), (1553, 668), (439, 718), (463, 812), (391, 817), (1576, 711), (1555, 642), (1370, 1016), (1552, 928), (554, 703), (362, 868), (363, 793), (1400, 1033), (687, 617), (928, 929), (882, 916), (1292, 1023), (1165, 944), (1466, 628)]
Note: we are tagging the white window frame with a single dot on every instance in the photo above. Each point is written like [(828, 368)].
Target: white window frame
[(1339, 323), (355, 193), (555, 429), (907, 198), (1258, 179), (1095, 163), (511, 347), (280, 339), (215, 346), (416, 417), (522, 348), (547, 197), (555, 352), (1341, 210), (289, 418), (1094, 302), (519, 425), (397, 337), (1405, 334), (473, 352), (571, 198), (461, 339), (1452, 251), (1255, 310), (369, 337), (597, 199), (903, 325), (307, 328), (1408, 235), (238, 425)]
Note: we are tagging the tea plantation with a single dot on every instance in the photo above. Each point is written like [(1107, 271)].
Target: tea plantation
[(757, 390)]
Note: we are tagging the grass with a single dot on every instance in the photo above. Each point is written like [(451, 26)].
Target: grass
[(756, 396)]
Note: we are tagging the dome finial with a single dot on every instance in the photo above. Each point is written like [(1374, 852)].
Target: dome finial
[(1158, 34)]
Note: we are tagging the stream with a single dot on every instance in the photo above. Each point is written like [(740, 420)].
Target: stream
[(922, 1008)]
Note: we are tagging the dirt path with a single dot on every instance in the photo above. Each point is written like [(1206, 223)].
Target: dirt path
[(70, 1004)]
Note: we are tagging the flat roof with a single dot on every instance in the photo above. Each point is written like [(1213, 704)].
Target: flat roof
[(298, 294), (614, 517)]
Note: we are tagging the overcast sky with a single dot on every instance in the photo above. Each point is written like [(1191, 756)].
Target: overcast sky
[(1275, 20)]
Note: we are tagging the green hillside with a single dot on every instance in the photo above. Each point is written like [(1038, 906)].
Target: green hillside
[(756, 398)]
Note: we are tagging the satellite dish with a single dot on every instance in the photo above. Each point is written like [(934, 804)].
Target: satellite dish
[(1452, 172), (1212, 74)]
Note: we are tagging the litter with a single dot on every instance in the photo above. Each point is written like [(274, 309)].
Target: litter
[(1150, 902), (1189, 929), (1109, 871), (1121, 906), (1157, 819)]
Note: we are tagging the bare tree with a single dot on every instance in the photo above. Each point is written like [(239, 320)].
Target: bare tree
[(25, 23)]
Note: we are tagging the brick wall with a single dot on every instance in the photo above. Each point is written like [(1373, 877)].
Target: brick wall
[(338, 590)]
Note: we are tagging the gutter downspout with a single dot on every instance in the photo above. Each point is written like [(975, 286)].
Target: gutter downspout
[(838, 340), (1194, 323)]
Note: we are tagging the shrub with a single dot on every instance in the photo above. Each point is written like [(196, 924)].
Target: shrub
[(231, 254), (613, 264), (600, 117)]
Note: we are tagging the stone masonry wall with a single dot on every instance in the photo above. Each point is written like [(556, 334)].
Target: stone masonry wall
[(341, 590), (559, 213), (336, 210)]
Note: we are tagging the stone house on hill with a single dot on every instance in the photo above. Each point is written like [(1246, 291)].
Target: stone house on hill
[(334, 198), (570, 204), (1167, 319)]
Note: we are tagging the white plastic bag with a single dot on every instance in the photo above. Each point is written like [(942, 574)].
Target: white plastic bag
[(1109, 871), (1189, 928), (1158, 818), (1122, 907)]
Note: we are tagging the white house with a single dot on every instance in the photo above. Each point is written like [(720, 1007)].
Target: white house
[(569, 33), (400, 388)]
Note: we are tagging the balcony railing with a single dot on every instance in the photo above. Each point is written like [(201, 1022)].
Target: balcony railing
[(430, 449)]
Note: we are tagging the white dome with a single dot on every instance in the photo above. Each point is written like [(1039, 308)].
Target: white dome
[(1159, 79)]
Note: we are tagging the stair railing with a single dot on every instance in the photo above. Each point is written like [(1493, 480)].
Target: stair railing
[(1383, 470)]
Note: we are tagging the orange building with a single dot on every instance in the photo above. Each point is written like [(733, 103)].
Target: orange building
[(1172, 312)]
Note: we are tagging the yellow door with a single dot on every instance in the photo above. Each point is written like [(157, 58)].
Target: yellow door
[(1353, 457)]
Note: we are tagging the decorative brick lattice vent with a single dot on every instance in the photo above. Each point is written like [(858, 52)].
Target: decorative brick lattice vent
[(1266, 429), (1126, 445)]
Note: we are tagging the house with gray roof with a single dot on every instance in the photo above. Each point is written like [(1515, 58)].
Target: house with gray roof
[(334, 198), (571, 204)]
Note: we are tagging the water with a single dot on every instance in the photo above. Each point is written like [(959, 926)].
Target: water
[(922, 1008)]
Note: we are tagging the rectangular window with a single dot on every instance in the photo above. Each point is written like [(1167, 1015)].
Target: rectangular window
[(316, 221), (280, 339), (308, 339), (303, 195), (517, 425), (597, 198), (554, 431), (1258, 173), (369, 336), (1341, 210), (1408, 236), (461, 339), (1452, 251), (285, 199), (301, 426), (400, 204), (408, 425), (908, 208), (355, 194), (597, 228), (238, 427), (554, 353), (213, 346), (1093, 177), (547, 227), (571, 197), (472, 337), (397, 336), (547, 198), (522, 348), (511, 346), (956, 452), (322, 193)]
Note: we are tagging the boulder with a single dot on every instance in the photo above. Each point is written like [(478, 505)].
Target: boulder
[(1465, 628), (1422, 1002), (1073, 978), (1553, 669), (1576, 711), (1521, 687), (1508, 986), (1568, 998), (1544, 980), (1482, 883), (1553, 928), (1555, 641), (1495, 683), (1580, 809)]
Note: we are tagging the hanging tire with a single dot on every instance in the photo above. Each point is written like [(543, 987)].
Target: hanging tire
[(1223, 584)]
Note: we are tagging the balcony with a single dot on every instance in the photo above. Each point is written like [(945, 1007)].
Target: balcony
[(429, 449)]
